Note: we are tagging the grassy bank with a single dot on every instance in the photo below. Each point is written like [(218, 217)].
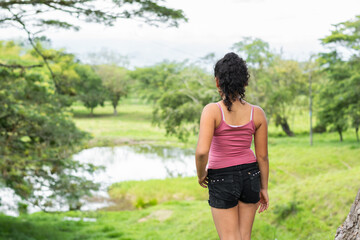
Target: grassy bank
[(131, 125), (311, 188)]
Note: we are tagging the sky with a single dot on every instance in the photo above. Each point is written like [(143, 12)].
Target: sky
[(293, 26)]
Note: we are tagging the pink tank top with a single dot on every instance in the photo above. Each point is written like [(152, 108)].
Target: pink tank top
[(231, 144)]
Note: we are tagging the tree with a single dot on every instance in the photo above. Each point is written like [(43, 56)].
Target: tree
[(36, 16), (179, 92), (63, 66), (350, 229), (332, 104), (116, 81), (179, 108), (343, 74), (346, 34), (38, 137), (259, 57), (275, 83), (354, 111), (255, 51), (151, 82), (90, 89), (287, 84), (342, 90)]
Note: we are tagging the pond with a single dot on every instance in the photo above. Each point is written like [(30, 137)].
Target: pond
[(133, 162), (139, 162)]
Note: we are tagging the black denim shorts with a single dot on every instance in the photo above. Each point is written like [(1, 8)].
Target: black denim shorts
[(228, 185)]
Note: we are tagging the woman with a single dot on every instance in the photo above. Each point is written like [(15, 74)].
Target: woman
[(236, 178)]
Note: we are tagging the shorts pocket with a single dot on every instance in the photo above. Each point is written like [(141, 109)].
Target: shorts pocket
[(221, 186), (255, 180)]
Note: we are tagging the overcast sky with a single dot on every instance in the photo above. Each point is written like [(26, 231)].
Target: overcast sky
[(213, 26)]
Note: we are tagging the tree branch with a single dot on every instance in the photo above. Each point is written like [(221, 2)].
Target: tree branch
[(20, 66), (31, 40)]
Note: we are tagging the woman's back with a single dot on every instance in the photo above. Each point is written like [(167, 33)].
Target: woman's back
[(231, 143), (237, 178)]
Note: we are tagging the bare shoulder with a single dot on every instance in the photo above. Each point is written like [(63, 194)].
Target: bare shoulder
[(209, 112), (259, 111), (211, 108), (259, 116), (211, 105)]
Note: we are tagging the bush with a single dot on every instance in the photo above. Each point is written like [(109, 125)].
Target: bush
[(319, 128), (140, 203)]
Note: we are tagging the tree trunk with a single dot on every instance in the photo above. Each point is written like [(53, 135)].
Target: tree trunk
[(92, 112), (284, 125), (115, 102), (357, 133), (286, 128), (340, 134), (350, 229)]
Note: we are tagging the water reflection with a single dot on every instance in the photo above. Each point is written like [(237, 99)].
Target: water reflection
[(136, 162), (139, 162), (165, 153)]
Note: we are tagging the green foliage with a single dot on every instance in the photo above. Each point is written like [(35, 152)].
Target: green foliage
[(37, 136), (255, 51), (324, 176), (340, 97), (34, 13), (258, 58), (90, 89), (179, 92), (152, 82), (61, 65), (345, 34), (33, 18), (333, 108), (319, 128), (287, 83), (140, 203), (22, 208), (116, 81), (275, 84)]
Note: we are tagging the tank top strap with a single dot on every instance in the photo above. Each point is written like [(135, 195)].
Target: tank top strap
[(252, 112), (222, 113)]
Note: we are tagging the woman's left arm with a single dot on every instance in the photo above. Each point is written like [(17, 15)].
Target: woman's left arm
[(207, 126)]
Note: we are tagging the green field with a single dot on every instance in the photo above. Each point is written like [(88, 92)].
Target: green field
[(311, 187)]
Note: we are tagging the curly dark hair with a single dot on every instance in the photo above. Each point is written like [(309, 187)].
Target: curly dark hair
[(232, 72)]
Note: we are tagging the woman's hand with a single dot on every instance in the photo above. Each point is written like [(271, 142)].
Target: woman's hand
[(203, 180), (264, 200)]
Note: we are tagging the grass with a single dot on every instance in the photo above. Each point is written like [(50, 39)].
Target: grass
[(131, 125), (311, 188), (182, 222)]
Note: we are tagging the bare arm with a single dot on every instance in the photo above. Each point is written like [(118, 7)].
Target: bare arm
[(261, 152), (207, 126), (261, 148)]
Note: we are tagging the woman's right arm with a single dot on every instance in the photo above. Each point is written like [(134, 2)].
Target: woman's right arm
[(261, 152)]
